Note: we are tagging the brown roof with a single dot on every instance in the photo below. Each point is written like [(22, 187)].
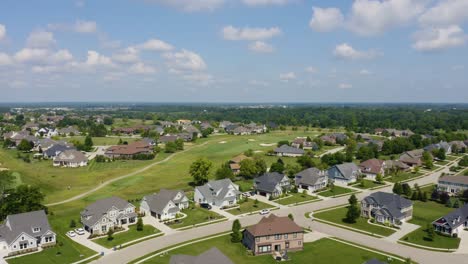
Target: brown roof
[(238, 158), (130, 149), (454, 179), (272, 225), (234, 166), (372, 166)]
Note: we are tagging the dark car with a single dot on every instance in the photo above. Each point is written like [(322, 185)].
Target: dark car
[(205, 205)]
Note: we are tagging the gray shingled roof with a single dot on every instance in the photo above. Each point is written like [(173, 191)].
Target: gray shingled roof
[(210, 189), (212, 256), (24, 222), (310, 176), (71, 155), (101, 207), (289, 150), (391, 204), (57, 149), (375, 261), (158, 201), (455, 218), (347, 169), (268, 181)]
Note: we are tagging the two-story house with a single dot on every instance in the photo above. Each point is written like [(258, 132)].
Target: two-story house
[(107, 213), (370, 168), (311, 179), (344, 174), (453, 223), (273, 234), (26, 232), (219, 193), (387, 208), (164, 205), (272, 184), (452, 184)]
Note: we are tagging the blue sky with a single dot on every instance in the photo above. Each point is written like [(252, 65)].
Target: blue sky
[(234, 50)]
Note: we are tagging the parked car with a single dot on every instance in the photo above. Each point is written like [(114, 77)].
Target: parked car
[(265, 211), (71, 233), (205, 205), (79, 231)]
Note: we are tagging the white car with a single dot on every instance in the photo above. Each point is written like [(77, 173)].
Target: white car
[(246, 194), (71, 233), (265, 211), (80, 231)]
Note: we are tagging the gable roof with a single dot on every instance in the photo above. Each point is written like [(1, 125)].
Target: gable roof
[(289, 150), (212, 256), (216, 189), (99, 208), (347, 169), (272, 225), (391, 204), (455, 218), (374, 166), (57, 149), (71, 155), (158, 201), (24, 223), (310, 176), (238, 158), (454, 179), (268, 181)]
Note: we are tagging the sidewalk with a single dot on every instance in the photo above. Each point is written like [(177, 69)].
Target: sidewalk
[(405, 228), (83, 240), (263, 199), (150, 220), (224, 213), (314, 236), (463, 247)]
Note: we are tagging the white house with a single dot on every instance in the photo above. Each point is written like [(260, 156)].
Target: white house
[(219, 193), (164, 205), (70, 158)]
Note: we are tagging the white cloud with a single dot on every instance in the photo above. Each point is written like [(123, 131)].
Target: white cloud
[(82, 26), (95, 59), (5, 59), (311, 69), (371, 17), (185, 60), (141, 68), (259, 83), (61, 56), (17, 84), (2, 31), (365, 72), (326, 19), (203, 79), (190, 5), (345, 51), (31, 55), (45, 69), (345, 86), (247, 33), (439, 38), (266, 2), (286, 77), (446, 12), (261, 47), (128, 55), (40, 39), (155, 45)]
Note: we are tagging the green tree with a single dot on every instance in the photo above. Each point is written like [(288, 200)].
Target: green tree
[(406, 190), (236, 235), (7, 180), (88, 143), (456, 204), (179, 143), (224, 172), (427, 160), (110, 234), (440, 154), (291, 216), (139, 224), (261, 165), (170, 147), (248, 169), (397, 188), (23, 199), (353, 212), (379, 178), (72, 223), (199, 170), (25, 145), (430, 232), (277, 166)]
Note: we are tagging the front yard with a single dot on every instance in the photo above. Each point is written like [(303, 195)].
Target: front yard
[(127, 236), (368, 184), (338, 215), (296, 198), (249, 205), (337, 190), (425, 213), (403, 176), (195, 215)]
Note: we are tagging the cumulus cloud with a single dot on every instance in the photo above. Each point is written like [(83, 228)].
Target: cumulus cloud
[(185, 60), (346, 51), (31, 55), (432, 39), (40, 39), (446, 12), (326, 19), (46, 69), (141, 68), (248, 33), (2, 31), (128, 55), (82, 26), (96, 59), (190, 5), (286, 77), (345, 86), (155, 45), (266, 2), (365, 72), (5, 59), (261, 47), (203, 79), (311, 69), (61, 56)]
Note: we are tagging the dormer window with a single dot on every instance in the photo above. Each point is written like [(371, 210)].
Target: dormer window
[(36, 229)]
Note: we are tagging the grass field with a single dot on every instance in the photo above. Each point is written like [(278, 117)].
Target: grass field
[(337, 190), (337, 216), (425, 213), (297, 198), (102, 141), (127, 236), (403, 176), (323, 251), (442, 162), (195, 216), (367, 184), (248, 206)]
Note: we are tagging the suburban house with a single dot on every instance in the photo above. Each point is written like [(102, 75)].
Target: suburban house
[(344, 174), (130, 150), (193, 131), (219, 193), (129, 131), (107, 213), (370, 168), (441, 145), (398, 133), (311, 179), (396, 165), (328, 139), (71, 158), (17, 137), (272, 184), (55, 150), (164, 205), (68, 131), (31, 126), (453, 223), (46, 132), (234, 163), (460, 145), (273, 234), (387, 208), (212, 256), (168, 138), (412, 158), (452, 184), (301, 142), (288, 151), (26, 232)]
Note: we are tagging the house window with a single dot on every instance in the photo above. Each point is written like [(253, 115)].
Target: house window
[(36, 229), (257, 239), (104, 228), (24, 245), (295, 235), (287, 244), (267, 237), (299, 242), (264, 249), (277, 237), (286, 236)]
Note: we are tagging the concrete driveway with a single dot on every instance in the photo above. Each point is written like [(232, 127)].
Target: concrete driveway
[(405, 229), (150, 220), (83, 240)]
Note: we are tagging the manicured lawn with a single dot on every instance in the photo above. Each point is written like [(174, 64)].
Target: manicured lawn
[(248, 206), (337, 216), (337, 190), (442, 162), (102, 141), (195, 216), (368, 184), (323, 251), (425, 213), (296, 198), (403, 176), (245, 185), (127, 236), (448, 157)]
